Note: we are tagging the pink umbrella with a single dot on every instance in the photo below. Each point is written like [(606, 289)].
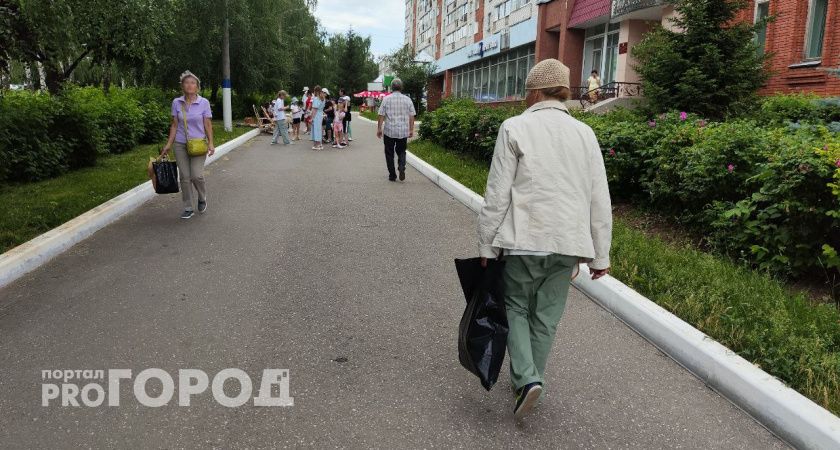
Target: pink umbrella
[(363, 94)]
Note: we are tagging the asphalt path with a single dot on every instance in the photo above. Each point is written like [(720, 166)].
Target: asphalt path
[(314, 262)]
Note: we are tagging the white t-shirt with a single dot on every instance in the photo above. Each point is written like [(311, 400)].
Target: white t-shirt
[(296, 112), (279, 109)]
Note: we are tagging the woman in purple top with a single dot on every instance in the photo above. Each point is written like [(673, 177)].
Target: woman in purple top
[(190, 168)]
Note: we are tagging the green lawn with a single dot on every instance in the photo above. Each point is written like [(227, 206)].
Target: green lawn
[(749, 312), (27, 210), (372, 115)]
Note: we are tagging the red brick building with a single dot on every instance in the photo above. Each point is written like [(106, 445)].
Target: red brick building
[(600, 34), (804, 38)]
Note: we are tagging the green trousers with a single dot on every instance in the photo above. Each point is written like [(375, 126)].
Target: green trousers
[(536, 288)]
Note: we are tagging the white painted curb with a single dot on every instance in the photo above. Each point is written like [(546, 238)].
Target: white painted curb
[(360, 116), (32, 254), (785, 412)]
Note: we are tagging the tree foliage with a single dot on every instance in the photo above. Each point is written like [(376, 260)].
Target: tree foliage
[(709, 64), (61, 34), (273, 44), (413, 74), (352, 61)]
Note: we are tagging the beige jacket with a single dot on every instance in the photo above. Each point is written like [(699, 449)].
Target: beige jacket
[(547, 189)]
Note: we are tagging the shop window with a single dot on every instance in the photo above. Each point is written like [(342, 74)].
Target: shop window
[(496, 78)]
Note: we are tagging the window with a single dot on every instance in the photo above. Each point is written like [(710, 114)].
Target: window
[(496, 78), (816, 29), (505, 8), (762, 10), (500, 80)]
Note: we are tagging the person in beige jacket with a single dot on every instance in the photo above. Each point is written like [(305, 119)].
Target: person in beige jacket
[(546, 208)]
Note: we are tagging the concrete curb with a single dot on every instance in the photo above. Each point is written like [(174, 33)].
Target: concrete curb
[(785, 412), (360, 116), (34, 253)]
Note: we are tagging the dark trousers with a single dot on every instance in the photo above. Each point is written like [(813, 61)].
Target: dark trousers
[(395, 145), (328, 128)]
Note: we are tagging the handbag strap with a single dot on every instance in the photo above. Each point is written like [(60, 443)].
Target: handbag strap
[(184, 116)]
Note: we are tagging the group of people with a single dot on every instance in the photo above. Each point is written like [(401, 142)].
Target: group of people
[(326, 119), (546, 204)]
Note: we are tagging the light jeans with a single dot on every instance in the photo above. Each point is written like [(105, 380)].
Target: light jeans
[(282, 129), (190, 173)]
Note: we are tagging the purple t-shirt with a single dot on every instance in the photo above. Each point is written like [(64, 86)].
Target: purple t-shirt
[(198, 110)]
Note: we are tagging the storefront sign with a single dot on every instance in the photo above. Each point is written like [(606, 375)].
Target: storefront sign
[(622, 48), (484, 46)]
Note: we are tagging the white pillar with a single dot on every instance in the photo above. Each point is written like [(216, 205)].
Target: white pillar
[(227, 114)]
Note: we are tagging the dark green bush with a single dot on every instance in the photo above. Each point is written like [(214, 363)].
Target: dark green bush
[(829, 109), (155, 108), (704, 164), (798, 108), (463, 126), (42, 136), (118, 117), (780, 109), (28, 149), (783, 223), (77, 135)]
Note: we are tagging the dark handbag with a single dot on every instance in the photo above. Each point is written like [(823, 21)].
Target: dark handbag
[(482, 334), (165, 174)]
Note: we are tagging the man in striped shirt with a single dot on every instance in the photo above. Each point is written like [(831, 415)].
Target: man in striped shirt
[(397, 115)]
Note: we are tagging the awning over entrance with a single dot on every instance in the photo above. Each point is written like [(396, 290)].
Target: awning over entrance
[(586, 12)]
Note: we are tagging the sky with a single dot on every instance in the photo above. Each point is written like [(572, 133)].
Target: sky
[(382, 20)]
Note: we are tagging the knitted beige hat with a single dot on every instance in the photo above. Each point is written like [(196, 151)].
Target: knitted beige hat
[(547, 73)]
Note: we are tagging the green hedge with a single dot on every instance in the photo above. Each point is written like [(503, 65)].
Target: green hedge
[(760, 188), (42, 136)]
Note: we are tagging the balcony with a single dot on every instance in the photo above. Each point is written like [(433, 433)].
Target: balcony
[(622, 8)]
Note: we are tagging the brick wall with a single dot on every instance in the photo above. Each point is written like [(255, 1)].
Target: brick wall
[(549, 20), (434, 92), (786, 41), (479, 15), (556, 40)]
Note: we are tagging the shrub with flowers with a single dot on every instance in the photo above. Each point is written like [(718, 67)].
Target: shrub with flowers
[(760, 189)]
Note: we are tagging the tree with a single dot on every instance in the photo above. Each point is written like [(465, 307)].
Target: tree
[(413, 74), (354, 66), (711, 66), (61, 34)]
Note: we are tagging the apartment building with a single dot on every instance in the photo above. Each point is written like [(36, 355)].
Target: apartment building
[(483, 49)]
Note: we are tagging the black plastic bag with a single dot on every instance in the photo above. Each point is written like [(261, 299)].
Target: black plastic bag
[(165, 178), (482, 335)]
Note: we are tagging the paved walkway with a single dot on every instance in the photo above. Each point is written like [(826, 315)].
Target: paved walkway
[(316, 263)]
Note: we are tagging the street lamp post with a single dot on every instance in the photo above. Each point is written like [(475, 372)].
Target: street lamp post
[(226, 85)]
